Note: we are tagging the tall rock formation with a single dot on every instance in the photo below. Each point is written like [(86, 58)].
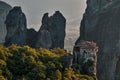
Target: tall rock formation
[(44, 37), (52, 32), (57, 29), (4, 9), (101, 24), (16, 27)]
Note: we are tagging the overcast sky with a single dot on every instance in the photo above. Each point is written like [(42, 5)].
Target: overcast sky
[(34, 10)]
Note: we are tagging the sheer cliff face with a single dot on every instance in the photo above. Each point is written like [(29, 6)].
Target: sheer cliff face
[(4, 9), (98, 4), (16, 27), (101, 24)]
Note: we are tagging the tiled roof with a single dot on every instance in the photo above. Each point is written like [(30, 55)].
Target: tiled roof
[(86, 45)]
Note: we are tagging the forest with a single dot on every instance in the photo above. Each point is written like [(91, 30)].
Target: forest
[(26, 63)]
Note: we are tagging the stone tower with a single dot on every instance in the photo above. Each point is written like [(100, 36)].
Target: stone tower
[(85, 55)]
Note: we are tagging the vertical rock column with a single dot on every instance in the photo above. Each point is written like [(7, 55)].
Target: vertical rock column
[(57, 29), (52, 32), (16, 27)]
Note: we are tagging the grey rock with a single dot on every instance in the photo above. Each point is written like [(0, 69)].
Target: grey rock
[(16, 27), (4, 9), (45, 19), (44, 39), (101, 25), (31, 37), (57, 29), (52, 32), (47, 37)]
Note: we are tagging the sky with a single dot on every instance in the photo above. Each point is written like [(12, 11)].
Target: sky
[(34, 10)]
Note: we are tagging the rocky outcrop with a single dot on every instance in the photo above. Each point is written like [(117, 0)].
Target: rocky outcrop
[(101, 24), (16, 27), (31, 37), (4, 9), (52, 32), (57, 29)]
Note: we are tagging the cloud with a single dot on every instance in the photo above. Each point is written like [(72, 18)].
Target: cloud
[(73, 22)]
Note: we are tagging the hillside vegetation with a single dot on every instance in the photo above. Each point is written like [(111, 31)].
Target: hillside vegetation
[(25, 63)]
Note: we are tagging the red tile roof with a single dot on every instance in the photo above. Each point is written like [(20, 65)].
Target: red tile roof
[(86, 45)]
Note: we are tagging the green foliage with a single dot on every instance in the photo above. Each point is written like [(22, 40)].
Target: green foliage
[(68, 74), (58, 51), (26, 63), (86, 77)]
